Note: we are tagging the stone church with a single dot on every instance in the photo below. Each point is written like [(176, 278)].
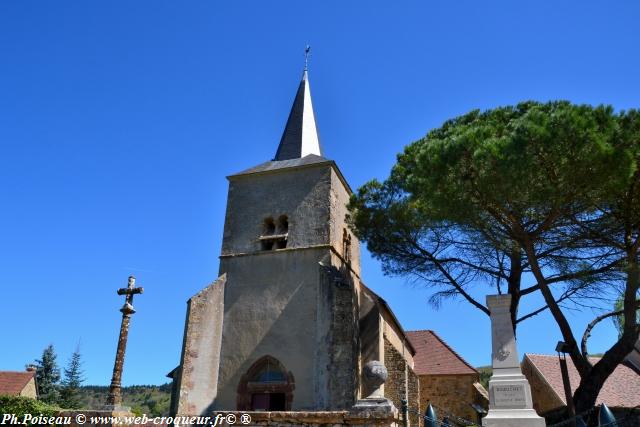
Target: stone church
[(289, 324)]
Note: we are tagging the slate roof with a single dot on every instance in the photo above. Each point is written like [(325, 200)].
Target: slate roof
[(300, 136), (621, 390), (12, 383), (281, 164), (435, 357)]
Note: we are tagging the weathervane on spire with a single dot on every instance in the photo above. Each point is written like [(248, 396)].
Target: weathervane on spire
[(307, 54)]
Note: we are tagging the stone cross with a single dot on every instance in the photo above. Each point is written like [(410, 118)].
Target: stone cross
[(115, 396)]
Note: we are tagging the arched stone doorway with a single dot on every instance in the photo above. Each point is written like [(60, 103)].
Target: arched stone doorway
[(266, 386)]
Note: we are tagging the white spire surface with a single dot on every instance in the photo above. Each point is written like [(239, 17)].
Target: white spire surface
[(300, 136)]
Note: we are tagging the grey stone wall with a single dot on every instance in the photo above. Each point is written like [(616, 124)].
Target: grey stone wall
[(341, 342), (301, 194), (339, 197), (276, 419), (297, 304), (369, 334), (270, 309), (316, 419), (200, 351)]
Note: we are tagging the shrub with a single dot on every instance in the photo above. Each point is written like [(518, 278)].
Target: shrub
[(19, 406)]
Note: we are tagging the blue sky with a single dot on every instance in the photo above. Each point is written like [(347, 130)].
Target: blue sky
[(120, 120)]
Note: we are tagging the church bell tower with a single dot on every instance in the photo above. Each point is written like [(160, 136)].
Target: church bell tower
[(278, 330)]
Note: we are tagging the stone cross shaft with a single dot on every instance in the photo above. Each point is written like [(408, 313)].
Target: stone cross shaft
[(115, 396)]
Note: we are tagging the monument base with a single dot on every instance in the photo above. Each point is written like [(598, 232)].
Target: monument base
[(513, 418), (510, 402), (373, 407)]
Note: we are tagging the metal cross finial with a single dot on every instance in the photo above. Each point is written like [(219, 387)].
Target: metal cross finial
[(307, 54)]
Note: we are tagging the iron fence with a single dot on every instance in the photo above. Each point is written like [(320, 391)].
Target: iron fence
[(629, 419)]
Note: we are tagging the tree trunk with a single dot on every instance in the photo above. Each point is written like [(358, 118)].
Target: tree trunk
[(590, 385), (514, 282), (582, 364)]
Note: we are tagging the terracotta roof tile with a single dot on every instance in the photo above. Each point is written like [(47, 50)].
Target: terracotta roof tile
[(12, 383), (621, 390), (434, 357)]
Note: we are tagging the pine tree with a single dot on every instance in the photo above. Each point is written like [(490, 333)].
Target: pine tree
[(618, 320), (48, 376), (73, 378)]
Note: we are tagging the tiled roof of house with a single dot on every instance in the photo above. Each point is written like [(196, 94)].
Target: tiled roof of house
[(12, 383), (435, 357), (621, 390)]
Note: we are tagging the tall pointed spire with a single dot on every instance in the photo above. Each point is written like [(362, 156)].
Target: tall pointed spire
[(300, 136)]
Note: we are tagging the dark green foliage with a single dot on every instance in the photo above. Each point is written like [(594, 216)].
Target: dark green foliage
[(142, 399), (618, 320), (485, 375), (548, 191), (73, 378), (19, 406), (458, 201), (48, 376)]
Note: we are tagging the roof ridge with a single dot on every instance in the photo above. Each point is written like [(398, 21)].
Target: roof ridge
[(441, 344), (554, 356), (13, 382), (454, 352)]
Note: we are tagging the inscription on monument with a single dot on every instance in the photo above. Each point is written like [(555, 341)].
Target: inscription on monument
[(509, 396)]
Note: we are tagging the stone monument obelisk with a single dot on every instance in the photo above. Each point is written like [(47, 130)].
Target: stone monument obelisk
[(510, 403)]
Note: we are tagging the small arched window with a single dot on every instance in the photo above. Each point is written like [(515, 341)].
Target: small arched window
[(274, 233), (269, 373), (269, 226), (283, 224), (346, 246), (266, 386)]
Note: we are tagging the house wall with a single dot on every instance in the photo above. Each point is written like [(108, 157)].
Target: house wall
[(29, 389), (544, 398), (401, 381), (450, 395)]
